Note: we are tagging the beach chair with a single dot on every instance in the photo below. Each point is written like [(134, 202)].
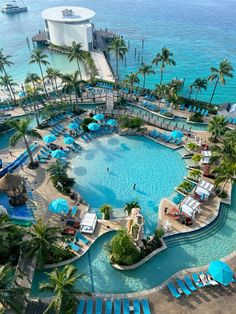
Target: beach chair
[(98, 306), (183, 287), (89, 306), (234, 121), (190, 108), (173, 290), (117, 307), (145, 306), (136, 305), (74, 246), (126, 306), (197, 281), (79, 236), (202, 112), (108, 307), (80, 308), (206, 113), (204, 279), (189, 283), (194, 109), (198, 110)]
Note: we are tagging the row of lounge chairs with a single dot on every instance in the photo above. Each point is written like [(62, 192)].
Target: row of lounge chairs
[(165, 137), (150, 97), (231, 120), (57, 130), (6, 108), (105, 85), (87, 137), (202, 111), (190, 284), (149, 106), (116, 306)]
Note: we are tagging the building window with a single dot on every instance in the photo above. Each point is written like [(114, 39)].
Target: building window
[(90, 46)]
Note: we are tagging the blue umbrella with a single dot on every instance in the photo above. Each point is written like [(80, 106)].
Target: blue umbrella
[(58, 153), (177, 134), (73, 126), (98, 117), (221, 272), (112, 122), (93, 126), (69, 140), (59, 205), (49, 138), (21, 94)]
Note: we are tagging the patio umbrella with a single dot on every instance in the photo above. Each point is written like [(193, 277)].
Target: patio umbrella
[(59, 205), (93, 126), (68, 140), (112, 122), (49, 138), (10, 182), (73, 126), (21, 93), (177, 134), (58, 153), (221, 272), (98, 117)]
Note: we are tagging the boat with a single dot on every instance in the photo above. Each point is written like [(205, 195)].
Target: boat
[(12, 8)]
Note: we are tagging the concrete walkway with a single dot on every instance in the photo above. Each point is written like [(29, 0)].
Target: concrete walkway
[(102, 66)]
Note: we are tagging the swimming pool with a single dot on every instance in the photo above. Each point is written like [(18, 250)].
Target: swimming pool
[(215, 242), (155, 169)]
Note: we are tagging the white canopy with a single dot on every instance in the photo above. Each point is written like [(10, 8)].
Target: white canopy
[(206, 153), (206, 185), (88, 223), (200, 191), (190, 206)]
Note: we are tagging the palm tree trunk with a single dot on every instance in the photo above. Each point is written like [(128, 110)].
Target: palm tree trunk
[(144, 80), (117, 68), (131, 92), (161, 76), (213, 93), (223, 187), (196, 95), (79, 69), (41, 70), (12, 94), (36, 114), (28, 150), (190, 93)]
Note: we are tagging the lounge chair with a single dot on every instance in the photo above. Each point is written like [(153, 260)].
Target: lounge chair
[(204, 279), (194, 109), (136, 304), (183, 287), (98, 306), (190, 108), (145, 306), (189, 283), (108, 307), (89, 306), (79, 236), (197, 281), (74, 246), (117, 307), (206, 113), (126, 306), (80, 308), (173, 290)]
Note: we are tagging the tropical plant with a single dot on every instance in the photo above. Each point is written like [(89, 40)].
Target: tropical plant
[(192, 146), (75, 52), (217, 127), (130, 123), (122, 249), (53, 75), (92, 70), (195, 174), (118, 48), (196, 158), (7, 82), (225, 173), (185, 187), (196, 117), (10, 298), (32, 78), (225, 70), (86, 122), (40, 58), (23, 129), (106, 210), (63, 285), (129, 206), (198, 85), (144, 71), (72, 85), (5, 61), (32, 96), (163, 58), (131, 79), (226, 151)]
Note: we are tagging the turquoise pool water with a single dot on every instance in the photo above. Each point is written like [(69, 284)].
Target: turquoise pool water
[(155, 169), (215, 243)]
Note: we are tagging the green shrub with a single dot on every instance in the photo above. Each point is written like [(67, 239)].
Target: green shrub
[(130, 123), (168, 114), (106, 210), (196, 117), (159, 233)]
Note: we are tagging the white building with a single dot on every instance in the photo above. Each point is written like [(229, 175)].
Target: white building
[(66, 24)]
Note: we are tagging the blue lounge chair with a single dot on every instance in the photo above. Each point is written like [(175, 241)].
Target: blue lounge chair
[(234, 121), (80, 308), (189, 283), (194, 109), (79, 236), (190, 108), (145, 306), (198, 110), (126, 306), (173, 290), (98, 306), (183, 287), (89, 306), (117, 307), (136, 307), (197, 281), (108, 307), (202, 112), (206, 113), (74, 246)]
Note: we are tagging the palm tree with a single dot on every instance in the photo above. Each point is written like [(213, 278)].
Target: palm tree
[(63, 284), (192, 146), (53, 75), (217, 127), (5, 61), (10, 298), (185, 187), (40, 58), (225, 70), (32, 94), (7, 82), (144, 71), (132, 79), (164, 59), (198, 85), (118, 48), (225, 172), (75, 52), (72, 85), (58, 168), (129, 206), (196, 158), (226, 151), (41, 239), (22, 128), (195, 173), (106, 210), (32, 78)]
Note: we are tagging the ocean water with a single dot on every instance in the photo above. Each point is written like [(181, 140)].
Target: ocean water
[(200, 33)]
